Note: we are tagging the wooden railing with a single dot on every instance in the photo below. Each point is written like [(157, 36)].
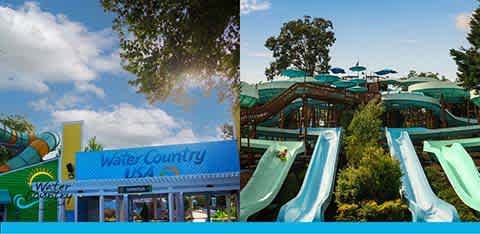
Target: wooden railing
[(315, 91)]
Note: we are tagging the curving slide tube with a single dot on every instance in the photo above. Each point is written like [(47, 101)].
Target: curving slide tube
[(269, 175), (36, 147), (459, 167), (423, 203), (315, 194)]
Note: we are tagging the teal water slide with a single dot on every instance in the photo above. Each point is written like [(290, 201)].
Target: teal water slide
[(459, 167), (417, 100), (36, 147), (424, 205), (269, 174), (315, 193)]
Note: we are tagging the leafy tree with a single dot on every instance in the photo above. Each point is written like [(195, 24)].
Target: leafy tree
[(93, 145), (468, 59), (4, 154), (434, 75), (377, 177), (364, 130), (169, 43), (17, 123), (227, 131), (303, 44)]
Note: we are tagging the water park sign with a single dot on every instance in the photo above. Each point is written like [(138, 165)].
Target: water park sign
[(171, 160)]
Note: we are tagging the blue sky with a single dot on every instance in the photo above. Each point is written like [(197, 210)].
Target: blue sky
[(59, 62), (402, 35)]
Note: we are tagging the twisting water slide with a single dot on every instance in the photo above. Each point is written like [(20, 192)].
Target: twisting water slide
[(36, 147), (269, 175), (459, 167), (423, 203), (315, 194)]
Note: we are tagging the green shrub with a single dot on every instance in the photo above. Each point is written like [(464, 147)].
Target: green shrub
[(372, 176), (377, 177), (394, 210), (364, 130)]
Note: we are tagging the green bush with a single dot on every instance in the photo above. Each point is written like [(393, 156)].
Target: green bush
[(377, 177), (372, 176), (394, 210), (364, 130)]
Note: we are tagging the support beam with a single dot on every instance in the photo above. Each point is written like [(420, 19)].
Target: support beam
[(40, 209), (75, 210), (101, 213), (171, 207), (61, 210)]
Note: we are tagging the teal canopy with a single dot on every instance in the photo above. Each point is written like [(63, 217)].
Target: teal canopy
[(357, 89), (358, 68), (358, 81), (293, 73), (343, 84), (4, 197), (326, 78)]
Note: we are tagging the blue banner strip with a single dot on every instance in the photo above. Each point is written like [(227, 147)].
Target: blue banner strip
[(240, 227)]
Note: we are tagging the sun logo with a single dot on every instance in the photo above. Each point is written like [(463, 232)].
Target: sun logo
[(39, 173)]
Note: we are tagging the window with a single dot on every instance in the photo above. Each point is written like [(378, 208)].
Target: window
[(149, 208), (110, 209), (196, 207)]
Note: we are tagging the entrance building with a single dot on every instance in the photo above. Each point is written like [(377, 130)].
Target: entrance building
[(190, 182)]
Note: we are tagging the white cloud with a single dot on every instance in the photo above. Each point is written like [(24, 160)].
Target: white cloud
[(51, 104), (248, 6), (462, 21), (39, 48), (128, 126)]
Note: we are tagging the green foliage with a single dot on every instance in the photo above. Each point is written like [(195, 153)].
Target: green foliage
[(227, 131), (167, 43), (377, 177), (436, 75), (303, 44), (4, 154), (468, 59), (17, 123), (372, 176), (394, 210), (93, 145), (364, 130), (444, 191)]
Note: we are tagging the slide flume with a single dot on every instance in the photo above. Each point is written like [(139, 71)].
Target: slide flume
[(269, 175), (313, 198), (408, 100), (459, 168), (36, 147), (423, 203)]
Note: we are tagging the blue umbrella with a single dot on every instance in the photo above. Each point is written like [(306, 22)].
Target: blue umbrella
[(292, 73), (337, 70), (385, 72), (358, 68)]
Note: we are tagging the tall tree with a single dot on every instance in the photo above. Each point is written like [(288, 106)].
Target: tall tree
[(226, 131), (468, 59), (169, 43), (93, 145), (434, 75), (303, 44), (17, 123)]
